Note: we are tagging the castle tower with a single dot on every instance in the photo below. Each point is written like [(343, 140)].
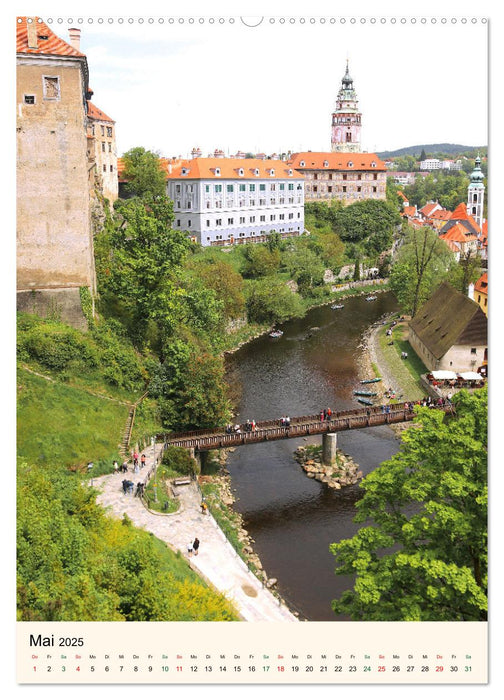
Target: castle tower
[(346, 118), (476, 193)]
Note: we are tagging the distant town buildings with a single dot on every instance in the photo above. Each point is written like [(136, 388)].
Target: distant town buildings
[(436, 164), (226, 201)]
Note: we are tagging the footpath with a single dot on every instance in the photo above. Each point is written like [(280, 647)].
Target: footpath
[(217, 562)]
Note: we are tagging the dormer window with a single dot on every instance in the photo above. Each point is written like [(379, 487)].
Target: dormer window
[(240, 172), (290, 172), (326, 164), (350, 164), (217, 172), (302, 163), (272, 172), (373, 164), (256, 172), (184, 171)]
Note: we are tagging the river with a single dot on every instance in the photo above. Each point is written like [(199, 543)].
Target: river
[(291, 518)]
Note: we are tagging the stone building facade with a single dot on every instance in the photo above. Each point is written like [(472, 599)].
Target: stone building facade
[(227, 201), (348, 177), (54, 240)]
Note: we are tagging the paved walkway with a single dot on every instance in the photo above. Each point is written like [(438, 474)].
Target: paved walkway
[(216, 561)]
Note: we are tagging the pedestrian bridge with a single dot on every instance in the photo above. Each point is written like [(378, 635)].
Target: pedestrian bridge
[(301, 426)]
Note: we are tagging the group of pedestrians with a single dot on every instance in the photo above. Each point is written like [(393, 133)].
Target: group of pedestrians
[(248, 427), (193, 547), (325, 414)]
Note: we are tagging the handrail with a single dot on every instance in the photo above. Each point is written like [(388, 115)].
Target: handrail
[(268, 430)]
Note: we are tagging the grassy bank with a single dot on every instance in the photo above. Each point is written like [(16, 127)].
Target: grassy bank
[(406, 371), (61, 424)]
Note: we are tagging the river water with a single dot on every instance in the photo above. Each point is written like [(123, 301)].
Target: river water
[(292, 518)]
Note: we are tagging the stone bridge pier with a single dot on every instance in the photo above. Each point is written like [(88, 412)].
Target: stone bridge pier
[(329, 446)]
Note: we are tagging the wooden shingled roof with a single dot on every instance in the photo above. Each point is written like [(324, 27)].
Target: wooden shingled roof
[(449, 318)]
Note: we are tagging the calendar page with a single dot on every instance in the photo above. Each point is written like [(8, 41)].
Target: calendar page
[(252, 347)]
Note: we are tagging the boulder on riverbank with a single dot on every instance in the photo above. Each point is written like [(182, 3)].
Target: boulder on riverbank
[(345, 471)]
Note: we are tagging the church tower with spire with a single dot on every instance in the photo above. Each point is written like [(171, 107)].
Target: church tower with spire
[(346, 119), (476, 193)]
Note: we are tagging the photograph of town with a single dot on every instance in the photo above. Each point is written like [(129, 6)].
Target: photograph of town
[(252, 308)]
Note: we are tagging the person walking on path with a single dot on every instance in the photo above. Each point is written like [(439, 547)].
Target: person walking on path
[(196, 545), (190, 549), (142, 460)]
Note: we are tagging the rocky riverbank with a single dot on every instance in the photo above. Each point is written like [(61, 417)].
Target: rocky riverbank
[(345, 472)]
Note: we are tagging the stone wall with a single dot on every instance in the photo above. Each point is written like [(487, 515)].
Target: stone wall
[(61, 304)]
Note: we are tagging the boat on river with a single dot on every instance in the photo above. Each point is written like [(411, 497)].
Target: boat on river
[(365, 393), (337, 306), (371, 297), (367, 402), (371, 381), (276, 334)]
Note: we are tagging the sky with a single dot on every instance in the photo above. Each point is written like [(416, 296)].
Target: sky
[(190, 82)]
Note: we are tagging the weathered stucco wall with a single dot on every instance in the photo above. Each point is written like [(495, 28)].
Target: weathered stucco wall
[(54, 242)]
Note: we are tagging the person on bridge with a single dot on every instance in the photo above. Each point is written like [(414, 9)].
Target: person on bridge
[(287, 421)]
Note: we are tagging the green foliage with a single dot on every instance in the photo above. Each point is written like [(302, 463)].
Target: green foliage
[(87, 304), (465, 272), (423, 262), (142, 169), (75, 563), (369, 223), (259, 260), (271, 301), (422, 554), (448, 187), (224, 281), (68, 352), (179, 460), (145, 256), (305, 267), (190, 388)]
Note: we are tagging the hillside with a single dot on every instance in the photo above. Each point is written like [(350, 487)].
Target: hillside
[(448, 148)]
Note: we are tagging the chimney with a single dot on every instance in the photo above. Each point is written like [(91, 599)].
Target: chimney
[(31, 24), (74, 35)]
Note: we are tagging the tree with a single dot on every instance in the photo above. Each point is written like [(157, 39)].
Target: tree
[(423, 262), (190, 387), (259, 260), (305, 267), (271, 301), (143, 172), (424, 554), (369, 223), (144, 256), (228, 285), (467, 271)]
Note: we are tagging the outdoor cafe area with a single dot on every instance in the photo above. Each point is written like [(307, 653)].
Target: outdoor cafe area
[(445, 381)]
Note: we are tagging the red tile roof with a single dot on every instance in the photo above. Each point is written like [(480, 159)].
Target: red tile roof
[(95, 113), (482, 284), (460, 214), (409, 211), (47, 41), (442, 214), (459, 232), (427, 209), (336, 161)]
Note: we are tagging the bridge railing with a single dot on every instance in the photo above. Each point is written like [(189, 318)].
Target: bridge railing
[(347, 420), (274, 422)]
